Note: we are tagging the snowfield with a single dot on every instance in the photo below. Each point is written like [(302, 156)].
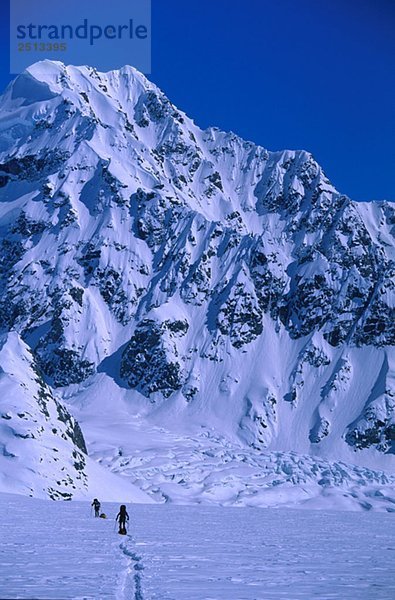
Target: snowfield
[(57, 550)]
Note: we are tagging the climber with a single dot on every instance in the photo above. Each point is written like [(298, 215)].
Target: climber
[(122, 516), (96, 506)]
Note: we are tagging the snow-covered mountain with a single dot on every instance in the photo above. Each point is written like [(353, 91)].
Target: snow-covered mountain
[(179, 288)]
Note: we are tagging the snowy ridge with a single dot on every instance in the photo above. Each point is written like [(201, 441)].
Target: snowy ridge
[(184, 279)]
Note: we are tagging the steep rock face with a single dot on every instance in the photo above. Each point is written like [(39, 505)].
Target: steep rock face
[(151, 362), (238, 282), (63, 365), (375, 427)]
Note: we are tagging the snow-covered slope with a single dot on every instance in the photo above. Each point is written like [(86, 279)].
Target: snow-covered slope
[(43, 452), (189, 279)]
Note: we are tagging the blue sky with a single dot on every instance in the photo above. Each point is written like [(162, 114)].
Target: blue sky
[(312, 74)]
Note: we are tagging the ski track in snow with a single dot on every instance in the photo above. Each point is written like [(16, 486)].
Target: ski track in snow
[(53, 550), (132, 586)]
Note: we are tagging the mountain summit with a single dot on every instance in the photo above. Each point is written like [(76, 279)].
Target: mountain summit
[(190, 292)]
